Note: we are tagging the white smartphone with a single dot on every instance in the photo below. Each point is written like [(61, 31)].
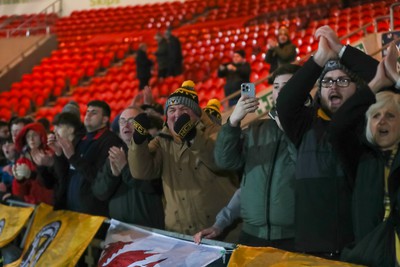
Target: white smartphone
[(248, 89)]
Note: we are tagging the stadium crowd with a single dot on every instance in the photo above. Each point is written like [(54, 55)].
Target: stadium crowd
[(319, 176)]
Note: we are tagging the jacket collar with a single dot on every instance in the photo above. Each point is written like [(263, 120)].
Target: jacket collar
[(96, 134)]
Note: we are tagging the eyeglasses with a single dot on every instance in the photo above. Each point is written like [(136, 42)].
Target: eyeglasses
[(341, 82), (123, 121)]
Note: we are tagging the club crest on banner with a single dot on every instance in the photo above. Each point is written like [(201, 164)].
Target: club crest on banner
[(40, 243)]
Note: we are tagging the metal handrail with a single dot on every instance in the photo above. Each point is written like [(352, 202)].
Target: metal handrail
[(26, 23), (363, 28), (26, 30), (391, 12), (396, 41), (8, 21), (8, 66), (375, 21)]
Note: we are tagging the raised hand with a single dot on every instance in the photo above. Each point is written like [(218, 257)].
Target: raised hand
[(390, 62), (141, 125), (53, 144), (380, 80), (231, 67), (147, 95), (21, 171), (272, 42), (324, 52), (117, 159), (185, 127), (137, 101), (244, 106), (66, 146), (330, 36)]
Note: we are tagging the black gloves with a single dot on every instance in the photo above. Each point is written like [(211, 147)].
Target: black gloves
[(185, 128), (141, 124)]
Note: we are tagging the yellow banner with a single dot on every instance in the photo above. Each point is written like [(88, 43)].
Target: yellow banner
[(245, 256), (57, 238), (12, 220)]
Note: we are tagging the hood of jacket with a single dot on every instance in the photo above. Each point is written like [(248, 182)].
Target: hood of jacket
[(20, 141)]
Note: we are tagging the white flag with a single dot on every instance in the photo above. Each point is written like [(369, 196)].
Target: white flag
[(127, 245)]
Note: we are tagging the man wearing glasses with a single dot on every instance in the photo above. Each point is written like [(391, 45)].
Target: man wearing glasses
[(129, 200), (323, 192)]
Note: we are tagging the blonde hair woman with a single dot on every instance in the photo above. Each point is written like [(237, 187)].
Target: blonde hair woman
[(371, 157)]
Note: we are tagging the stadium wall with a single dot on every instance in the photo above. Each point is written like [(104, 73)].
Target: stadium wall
[(17, 7)]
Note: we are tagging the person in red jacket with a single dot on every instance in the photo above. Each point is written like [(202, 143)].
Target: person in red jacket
[(27, 184)]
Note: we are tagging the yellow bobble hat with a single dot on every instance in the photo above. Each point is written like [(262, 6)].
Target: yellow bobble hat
[(213, 110), (185, 95)]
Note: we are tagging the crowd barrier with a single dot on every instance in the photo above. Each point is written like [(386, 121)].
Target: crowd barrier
[(66, 238)]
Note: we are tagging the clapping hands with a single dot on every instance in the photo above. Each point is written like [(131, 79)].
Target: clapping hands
[(117, 159), (329, 45), (386, 73)]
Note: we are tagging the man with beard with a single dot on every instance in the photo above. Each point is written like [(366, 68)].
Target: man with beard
[(323, 191)]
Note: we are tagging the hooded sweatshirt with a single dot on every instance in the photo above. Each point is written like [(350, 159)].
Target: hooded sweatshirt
[(31, 189)]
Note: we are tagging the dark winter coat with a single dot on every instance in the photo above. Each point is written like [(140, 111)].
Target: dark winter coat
[(280, 55), (143, 65), (267, 187), (130, 200), (323, 190)]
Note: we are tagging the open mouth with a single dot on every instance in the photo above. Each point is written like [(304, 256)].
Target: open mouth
[(335, 98), (383, 132), (127, 132)]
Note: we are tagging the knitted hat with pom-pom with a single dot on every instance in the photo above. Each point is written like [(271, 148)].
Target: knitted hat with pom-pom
[(213, 110), (185, 95)]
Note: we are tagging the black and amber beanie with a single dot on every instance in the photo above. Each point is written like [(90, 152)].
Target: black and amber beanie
[(335, 64), (213, 110), (185, 95)]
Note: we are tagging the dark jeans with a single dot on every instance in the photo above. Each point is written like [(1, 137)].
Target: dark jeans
[(253, 241)]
